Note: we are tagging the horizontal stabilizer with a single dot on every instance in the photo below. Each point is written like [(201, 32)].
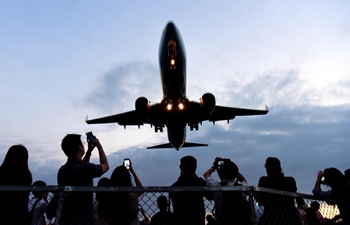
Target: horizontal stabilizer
[(185, 145), (161, 146), (190, 144)]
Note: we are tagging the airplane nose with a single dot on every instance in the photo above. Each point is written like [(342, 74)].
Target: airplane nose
[(170, 28)]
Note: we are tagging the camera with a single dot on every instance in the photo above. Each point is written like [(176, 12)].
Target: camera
[(90, 136), (126, 163), (218, 162)]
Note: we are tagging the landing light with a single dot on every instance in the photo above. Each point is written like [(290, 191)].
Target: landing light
[(181, 106), (172, 62), (169, 106)]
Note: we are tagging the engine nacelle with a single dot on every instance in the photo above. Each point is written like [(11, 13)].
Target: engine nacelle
[(142, 106), (207, 103)]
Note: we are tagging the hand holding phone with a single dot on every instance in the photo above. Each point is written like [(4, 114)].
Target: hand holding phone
[(89, 136), (127, 163)]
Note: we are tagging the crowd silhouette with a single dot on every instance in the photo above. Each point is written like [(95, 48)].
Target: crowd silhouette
[(122, 208)]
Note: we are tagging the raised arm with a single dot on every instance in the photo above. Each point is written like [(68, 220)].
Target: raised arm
[(101, 153), (242, 179), (136, 178)]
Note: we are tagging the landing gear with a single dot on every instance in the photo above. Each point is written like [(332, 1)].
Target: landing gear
[(160, 128), (195, 126)]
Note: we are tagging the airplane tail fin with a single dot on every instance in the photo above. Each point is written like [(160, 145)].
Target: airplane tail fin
[(185, 145)]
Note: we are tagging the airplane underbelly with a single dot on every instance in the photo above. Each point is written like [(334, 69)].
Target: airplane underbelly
[(174, 87), (176, 135)]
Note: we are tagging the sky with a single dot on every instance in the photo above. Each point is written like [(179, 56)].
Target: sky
[(61, 61)]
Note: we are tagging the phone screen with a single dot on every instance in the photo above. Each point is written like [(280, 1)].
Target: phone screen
[(89, 136), (127, 163)]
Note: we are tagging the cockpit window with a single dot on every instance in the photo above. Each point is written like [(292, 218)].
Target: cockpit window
[(172, 50)]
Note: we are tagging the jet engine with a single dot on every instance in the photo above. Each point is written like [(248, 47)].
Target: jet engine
[(207, 103), (142, 106)]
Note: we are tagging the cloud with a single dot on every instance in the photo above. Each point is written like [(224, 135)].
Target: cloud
[(283, 88), (119, 88), (306, 127)]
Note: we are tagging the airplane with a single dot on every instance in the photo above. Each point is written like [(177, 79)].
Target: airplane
[(175, 111)]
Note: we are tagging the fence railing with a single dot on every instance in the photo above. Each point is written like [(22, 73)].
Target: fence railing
[(116, 205)]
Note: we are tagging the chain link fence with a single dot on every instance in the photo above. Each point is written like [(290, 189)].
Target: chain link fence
[(231, 205)]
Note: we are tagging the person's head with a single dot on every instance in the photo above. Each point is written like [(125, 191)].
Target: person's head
[(347, 175), (273, 166), (162, 202), (209, 217), (16, 157), (39, 194), (72, 145), (334, 178), (188, 164), (315, 206), (103, 182), (228, 170), (300, 201), (121, 177)]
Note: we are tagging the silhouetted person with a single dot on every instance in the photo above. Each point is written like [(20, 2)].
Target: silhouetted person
[(347, 175), (316, 206), (210, 220), (38, 205), (301, 208), (78, 171), (340, 190), (14, 171), (189, 206), (277, 209), (230, 206), (146, 220), (162, 217), (311, 217), (123, 206), (102, 201)]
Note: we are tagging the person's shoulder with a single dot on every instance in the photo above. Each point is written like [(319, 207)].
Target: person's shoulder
[(263, 179), (290, 179), (200, 181), (211, 182)]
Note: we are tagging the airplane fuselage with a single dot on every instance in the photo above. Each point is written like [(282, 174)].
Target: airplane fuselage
[(172, 63)]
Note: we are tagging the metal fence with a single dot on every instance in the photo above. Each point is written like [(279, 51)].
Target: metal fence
[(231, 205)]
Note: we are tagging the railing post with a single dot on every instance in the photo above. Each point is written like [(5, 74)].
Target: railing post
[(252, 204)]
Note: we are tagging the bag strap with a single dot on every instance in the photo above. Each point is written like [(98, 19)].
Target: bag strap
[(32, 209)]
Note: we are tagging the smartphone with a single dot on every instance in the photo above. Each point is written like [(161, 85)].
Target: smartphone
[(89, 136), (220, 163), (126, 163)]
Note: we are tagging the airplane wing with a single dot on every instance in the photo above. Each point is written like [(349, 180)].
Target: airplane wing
[(224, 113), (127, 118), (130, 118), (227, 113)]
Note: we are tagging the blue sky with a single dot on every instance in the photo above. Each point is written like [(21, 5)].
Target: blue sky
[(61, 61)]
